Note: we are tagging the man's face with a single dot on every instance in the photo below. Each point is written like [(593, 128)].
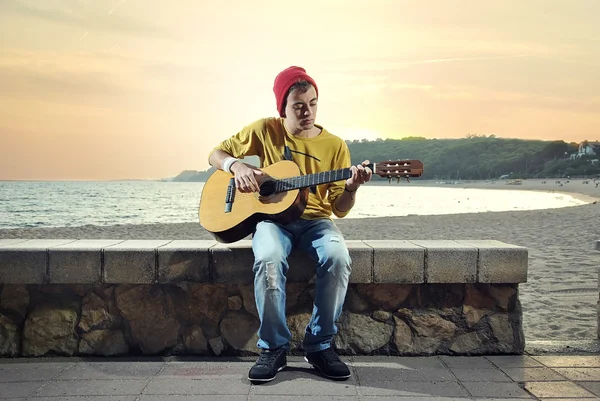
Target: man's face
[(301, 109)]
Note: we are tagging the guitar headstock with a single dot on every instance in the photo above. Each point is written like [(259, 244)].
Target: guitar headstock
[(398, 168)]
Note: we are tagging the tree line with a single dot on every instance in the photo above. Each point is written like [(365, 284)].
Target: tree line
[(479, 157), (475, 157)]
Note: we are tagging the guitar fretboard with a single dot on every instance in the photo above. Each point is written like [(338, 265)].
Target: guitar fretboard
[(309, 180)]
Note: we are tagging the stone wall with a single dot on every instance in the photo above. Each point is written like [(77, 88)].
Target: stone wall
[(221, 319), (598, 319)]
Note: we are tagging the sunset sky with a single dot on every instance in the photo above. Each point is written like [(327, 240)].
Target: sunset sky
[(143, 89)]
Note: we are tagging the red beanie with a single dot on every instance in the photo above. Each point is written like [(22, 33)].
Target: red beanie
[(285, 79)]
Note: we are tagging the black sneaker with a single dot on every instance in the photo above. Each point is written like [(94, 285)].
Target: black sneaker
[(268, 364), (328, 363)]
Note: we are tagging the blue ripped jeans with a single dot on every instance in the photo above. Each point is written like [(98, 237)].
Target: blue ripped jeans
[(272, 244)]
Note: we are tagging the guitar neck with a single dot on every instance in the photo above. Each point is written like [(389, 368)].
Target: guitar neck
[(309, 180)]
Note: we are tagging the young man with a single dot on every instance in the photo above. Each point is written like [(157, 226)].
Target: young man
[(295, 136)]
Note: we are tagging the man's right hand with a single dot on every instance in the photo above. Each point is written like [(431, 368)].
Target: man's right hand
[(245, 177)]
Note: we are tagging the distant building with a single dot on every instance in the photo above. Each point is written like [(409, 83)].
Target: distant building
[(587, 148)]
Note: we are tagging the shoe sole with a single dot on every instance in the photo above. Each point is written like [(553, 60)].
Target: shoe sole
[(269, 379), (326, 375)]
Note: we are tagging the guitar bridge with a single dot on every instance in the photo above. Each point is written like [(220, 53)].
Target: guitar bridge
[(230, 195)]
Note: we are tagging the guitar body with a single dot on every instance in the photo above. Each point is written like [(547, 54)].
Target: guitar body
[(248, 209), (230, 215)]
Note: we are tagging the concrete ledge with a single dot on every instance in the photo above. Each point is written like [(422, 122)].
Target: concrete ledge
[(598, 320), (84, 261), (26, 262), (85, 254)]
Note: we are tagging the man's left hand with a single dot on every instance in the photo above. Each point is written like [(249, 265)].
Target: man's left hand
[(360, 175)]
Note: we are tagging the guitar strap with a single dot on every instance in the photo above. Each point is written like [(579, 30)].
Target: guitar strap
[(287, 155)]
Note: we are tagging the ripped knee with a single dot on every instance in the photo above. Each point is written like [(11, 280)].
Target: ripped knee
[(271, 275), (271, 272)]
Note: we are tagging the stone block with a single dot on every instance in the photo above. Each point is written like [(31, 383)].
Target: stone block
[(77, 262), (232, 263), (184, 261), (499, 262), (449, 261), (10, 241), (361, 254), (25, 262), (397, 262), (598, 319), (132, 262)]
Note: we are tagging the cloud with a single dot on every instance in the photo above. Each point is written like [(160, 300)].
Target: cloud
[(75, 14), (455, 59), (31, 81)]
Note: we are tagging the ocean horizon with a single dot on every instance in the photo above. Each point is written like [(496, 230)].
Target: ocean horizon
[(27, 204)]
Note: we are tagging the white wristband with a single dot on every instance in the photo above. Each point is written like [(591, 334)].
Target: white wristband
[(227, 164)]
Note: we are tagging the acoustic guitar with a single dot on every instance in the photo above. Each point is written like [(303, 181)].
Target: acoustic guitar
[(230, 215)]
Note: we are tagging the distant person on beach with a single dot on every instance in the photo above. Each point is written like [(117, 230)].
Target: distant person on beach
[(295, 136)]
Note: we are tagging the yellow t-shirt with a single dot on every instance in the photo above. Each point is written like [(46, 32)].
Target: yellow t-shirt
[(267, 138)]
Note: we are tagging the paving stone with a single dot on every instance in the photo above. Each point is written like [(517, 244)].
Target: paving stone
[(397, 362), (513, 361), (23, 389), (562, 389), (300, 397), (414, 389), (20, 372), (87, 398), (181, 378), (480, 375), (580, 374), (503, 399), (368, 375), (319, 387), (212, 397), (568, 399), (201, 387), (92, 387), (420, 398), (110, 370), (466, 362), (593, 387), (566, 361), (205, 370), (533, 374), (499, 390)]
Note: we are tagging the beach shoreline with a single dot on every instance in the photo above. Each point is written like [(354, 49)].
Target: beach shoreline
[(587, 193), (559, 299)]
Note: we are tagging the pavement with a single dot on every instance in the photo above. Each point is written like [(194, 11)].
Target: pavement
[(538, 377)]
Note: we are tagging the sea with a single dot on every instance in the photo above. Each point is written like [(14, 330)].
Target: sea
[(69, 204)]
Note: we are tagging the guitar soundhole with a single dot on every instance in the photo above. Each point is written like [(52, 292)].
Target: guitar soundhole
[(267, 188)]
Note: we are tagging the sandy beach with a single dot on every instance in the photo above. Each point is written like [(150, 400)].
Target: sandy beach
[(560, 298)]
